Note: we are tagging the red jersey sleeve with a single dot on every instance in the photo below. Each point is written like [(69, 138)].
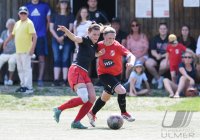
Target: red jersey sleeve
[(124, 51)]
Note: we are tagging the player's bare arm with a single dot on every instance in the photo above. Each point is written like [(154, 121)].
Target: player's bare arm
[(69, 34)]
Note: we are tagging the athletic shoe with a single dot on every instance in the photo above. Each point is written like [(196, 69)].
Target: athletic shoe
[(9, 83), (56, 115), (160, 82), (92, 118), (78, 125), (40, 83), (127, 117), (28, 91), (21, 90)]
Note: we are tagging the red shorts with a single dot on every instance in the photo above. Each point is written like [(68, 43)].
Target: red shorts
[(77, 75), (173, 68)]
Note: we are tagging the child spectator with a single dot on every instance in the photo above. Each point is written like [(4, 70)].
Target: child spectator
[(8, 54), (25, 41), (174, 54), (134, 84)]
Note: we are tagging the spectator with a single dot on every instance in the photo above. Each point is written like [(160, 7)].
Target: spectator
[(186, 39), (40, 16), (95, 14), (9, 51), (61, 45), (120, 35), (81, 25), (137, 43), (198, 62), (158, 56), (174, 55), (25, 41), (134, 84), (186, 78)]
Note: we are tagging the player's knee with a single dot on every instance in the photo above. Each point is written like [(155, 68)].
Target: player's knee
[(120, 89), (83, 94)]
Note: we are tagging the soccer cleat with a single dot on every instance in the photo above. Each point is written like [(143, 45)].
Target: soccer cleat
[(56, 115), (21, 90), (78, 125), (127, 117), (92, 118)]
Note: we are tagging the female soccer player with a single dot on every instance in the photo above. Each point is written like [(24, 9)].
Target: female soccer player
[(109, 71), (78, 77)]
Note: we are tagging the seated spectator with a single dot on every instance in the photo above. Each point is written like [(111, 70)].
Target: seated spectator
[(134, 84), (81, 25), (9, 51), (120, 35), (186, 77), (198, 61), (137, 43), (158, 56), (62, 46), (186, 39)]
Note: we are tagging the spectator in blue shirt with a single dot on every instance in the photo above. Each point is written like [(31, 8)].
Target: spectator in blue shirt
[(40, 16)]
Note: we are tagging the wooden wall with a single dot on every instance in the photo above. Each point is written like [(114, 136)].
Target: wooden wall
[(178, 16)]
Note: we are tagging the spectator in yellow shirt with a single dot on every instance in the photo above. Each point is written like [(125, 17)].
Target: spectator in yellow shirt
[(25, 41)]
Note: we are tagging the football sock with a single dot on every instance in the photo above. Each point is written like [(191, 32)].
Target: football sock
[(98, 105), (122, 102), (83, 111), (71, 103)]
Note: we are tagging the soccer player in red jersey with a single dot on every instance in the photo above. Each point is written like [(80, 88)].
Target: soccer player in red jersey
[(78, 77), (109, 71)]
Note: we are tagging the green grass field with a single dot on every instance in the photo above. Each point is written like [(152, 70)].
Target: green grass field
[(48, 97)]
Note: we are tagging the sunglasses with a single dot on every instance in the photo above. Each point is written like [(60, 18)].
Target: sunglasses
[(134, 25), (23, 13), (189, 57)]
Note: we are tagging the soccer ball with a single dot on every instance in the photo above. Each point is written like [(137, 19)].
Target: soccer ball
[(115, 122)]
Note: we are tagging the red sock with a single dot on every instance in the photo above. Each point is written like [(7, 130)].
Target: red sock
[(83, 111), (71, 103)]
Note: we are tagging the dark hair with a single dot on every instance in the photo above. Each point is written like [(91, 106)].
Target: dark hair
[(163, 23), (136, 21), (94, 26), (78, 16), (67, 10)]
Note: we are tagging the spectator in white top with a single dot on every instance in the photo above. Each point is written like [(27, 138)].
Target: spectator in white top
[(81, 25), (9, 51)]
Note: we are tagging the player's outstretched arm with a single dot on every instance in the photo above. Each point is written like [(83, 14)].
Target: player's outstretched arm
[(69, 34)]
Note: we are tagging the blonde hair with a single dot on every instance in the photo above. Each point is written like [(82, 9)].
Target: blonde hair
[(10, 21), (107, 29)]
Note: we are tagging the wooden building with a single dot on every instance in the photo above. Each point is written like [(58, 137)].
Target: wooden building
[(125, 9)]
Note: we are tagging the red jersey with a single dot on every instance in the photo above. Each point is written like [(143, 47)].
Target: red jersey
[(111, 61), (175, 54)]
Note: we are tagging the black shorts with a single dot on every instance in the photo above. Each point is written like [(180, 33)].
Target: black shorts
[(110, 82)]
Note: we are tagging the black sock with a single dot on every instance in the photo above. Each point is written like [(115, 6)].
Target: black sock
[(122, 102), (98, 105)]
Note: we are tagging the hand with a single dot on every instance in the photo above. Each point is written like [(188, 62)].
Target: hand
[(129, 65), (60, 39), (101, 52), (62, 28), (31, 52), (192, 82), (158, 57), (4, 45)]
